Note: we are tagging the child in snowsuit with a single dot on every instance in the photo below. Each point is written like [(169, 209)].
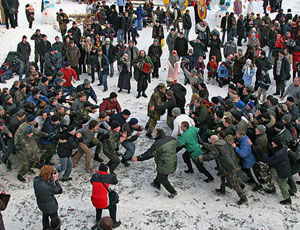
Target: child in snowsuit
[(222, 74), (212, 67), (134, 34)]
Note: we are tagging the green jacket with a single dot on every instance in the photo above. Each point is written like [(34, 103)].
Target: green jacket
[(189, 139), (165, 155), (111, 144)]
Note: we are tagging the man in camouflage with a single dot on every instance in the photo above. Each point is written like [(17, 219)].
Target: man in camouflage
[(225, 157), (156, 100), (83, 116), (19, 133), (21, 94), (27, 151), (112, 143)]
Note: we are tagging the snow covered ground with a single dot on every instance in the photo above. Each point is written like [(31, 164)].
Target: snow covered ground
[(141, 206)]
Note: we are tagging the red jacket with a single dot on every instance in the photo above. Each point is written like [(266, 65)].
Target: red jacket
[(99, 197), (68, 74), (110, 107), (296, 58)]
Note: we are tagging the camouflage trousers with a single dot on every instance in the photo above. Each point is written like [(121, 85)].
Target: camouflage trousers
[(29, 160), (151, 125), (170, 121), (49, 151), (234, 183), (265, 176)]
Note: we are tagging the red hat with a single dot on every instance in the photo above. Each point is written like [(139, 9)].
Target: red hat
[(174, 52)]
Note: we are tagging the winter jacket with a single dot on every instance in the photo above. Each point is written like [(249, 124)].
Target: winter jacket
[(260, 147), (66, 144), (224, 155), (189, 139), (171, 41), (139, 13), (100, 196), (131, 133), (110, 107), (23, 51), (51, 62), (284, 71), (132, 53), (156, 100), (164, 152), (262, 63), (111, 54), (179, 93), (169, 105), (68, 75), (104, 64), (111, 144), (62, 21), (238, 64), (173, 72), (43, 48), (158, 32), (76, 34), (264, 82), (51, 130), (230, 48), (181, 46), (244, 151), (222, 72), (44, 192), (281, 162), (36, 101), (155, 53), (202, 117), (187, 22), (296, 59), (118, 117), (215, 49), (247, 77), (73, 55), (177, 124), (89, 92), (198, 49)]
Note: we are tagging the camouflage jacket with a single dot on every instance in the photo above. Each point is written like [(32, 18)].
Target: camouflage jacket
[(19, 132), (20, 96), (27, 145), (111, 144), (82, 117), (157, 99)]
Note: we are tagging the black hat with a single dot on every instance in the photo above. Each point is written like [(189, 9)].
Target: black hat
[(21, 113), (220, 113), (35, 91), (264, 69), (236, 114), (262, 110), (113, 95), (71, 128), (24, 36), (7, 97), (232, 86), (44, 79), (279, 125), (126, 112), (29, 118), (115, 124), (133, 121), (274, 101), (67, 63), (281, 51), (277, 140), (263, 53), (291, 99), (22, 86), (103, 167), (241, 81), (54, 118), (215, 100)]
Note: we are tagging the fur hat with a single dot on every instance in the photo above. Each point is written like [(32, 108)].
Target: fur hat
[(287, 118), (176, 111), (261, 129)]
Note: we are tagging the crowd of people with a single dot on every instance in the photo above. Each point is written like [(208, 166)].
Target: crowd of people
[(246, 131)]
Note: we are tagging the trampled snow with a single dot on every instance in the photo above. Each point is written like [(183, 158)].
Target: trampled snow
[(141, 206)]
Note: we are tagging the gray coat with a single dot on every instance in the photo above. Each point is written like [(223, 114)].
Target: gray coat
[(73, 55), (171, 41), (44, 193), (135, 53)]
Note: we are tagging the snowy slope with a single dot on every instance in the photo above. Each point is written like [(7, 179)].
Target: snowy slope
[(141, 206)]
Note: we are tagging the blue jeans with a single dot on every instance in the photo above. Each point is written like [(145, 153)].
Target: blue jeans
[(130, 149), (65, 165), (139, 24), (24, 66), (102, 79), (186, 33), (120, 35)]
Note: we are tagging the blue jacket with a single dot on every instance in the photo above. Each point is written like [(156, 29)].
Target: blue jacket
[(245, 153), (35, 101), (118, 117), (222, 72), (246, 77), (192, 61), (104, 64), (120, 2), (89, 92), (239, 105), (139, 13), (49, 128)]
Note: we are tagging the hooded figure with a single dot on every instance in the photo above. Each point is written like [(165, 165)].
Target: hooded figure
[(174, 66)]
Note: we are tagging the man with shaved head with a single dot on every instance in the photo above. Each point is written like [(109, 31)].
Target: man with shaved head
[(224, 154)]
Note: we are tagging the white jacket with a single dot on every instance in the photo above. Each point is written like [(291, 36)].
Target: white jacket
[(177, 124)]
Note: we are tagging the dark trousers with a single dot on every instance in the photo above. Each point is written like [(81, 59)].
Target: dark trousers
[(127, 36), (163, 179), (45, 220), (63, 32), (223, 35), (30, 25), (240, 38), (114, 161), (76, 70), (251, 174), (112, 213), (280, 87), (42, 62), (187, 159), (9, 17), (121, 9), (142, 84), (234, 182)]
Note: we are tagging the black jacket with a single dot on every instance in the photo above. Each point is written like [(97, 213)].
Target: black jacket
[(181, 46), (280, 161), (155, 53), (111, 52), (44, 193), (262, 63), (187, 22), (24, 51), (284, 71), (179, 93), (67, 143), (44, 47)]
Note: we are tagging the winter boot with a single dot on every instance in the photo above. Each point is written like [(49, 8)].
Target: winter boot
[(242, 201), (286, 201), (172, 195), (144, 95), (125, 162), (21, 178), (97, 158), (139, 95), (117, 224), (220, 191)]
